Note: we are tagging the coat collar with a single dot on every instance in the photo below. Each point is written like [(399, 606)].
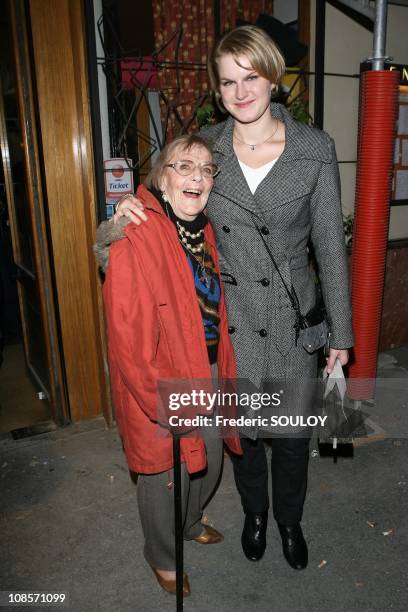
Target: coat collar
[(285, 182), (149, 200), (302, 142), (152, 203)]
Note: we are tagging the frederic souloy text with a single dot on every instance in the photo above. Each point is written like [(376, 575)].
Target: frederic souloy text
[(258, 421), (211, 400)]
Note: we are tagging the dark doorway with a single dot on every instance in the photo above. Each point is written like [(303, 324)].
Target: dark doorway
[(26, 396)]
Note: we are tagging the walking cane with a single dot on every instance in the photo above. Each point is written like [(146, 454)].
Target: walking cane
[(178, 522)]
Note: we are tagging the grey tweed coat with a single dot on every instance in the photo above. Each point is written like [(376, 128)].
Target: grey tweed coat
[(297, 201)]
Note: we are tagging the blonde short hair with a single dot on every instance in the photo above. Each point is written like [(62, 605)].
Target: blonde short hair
[(263, 54), (185, 142)]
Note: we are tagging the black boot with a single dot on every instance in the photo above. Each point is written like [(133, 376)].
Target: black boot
[(294, 545), (253, 537)]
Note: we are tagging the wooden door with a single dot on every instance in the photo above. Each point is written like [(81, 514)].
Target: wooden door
[(64, 112)]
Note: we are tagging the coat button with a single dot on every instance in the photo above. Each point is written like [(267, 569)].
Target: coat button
[(226, 229), (231, 329), (263, 333), (264, 230), (265, 282)]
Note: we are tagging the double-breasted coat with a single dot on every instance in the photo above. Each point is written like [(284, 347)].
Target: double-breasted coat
[(297, 202)]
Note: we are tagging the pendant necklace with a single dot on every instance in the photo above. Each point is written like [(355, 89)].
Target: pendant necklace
[(258, 144), (204, 276)]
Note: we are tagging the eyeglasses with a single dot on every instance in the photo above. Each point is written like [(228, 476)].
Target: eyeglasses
[(187, 167)]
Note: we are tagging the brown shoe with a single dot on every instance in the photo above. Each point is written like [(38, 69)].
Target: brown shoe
[(170, 585), (209, 536)]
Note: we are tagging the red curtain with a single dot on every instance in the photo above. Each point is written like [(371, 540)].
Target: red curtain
[(195, 18), (247, 10), (185, 89)]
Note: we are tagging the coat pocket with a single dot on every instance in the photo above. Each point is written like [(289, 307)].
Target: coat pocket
[(299, 261), (163, 357)]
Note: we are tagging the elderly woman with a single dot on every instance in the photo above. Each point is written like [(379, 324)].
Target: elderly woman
[(166, 319), (278, 190)]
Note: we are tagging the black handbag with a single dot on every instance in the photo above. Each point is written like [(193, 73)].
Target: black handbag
[(316, 330)]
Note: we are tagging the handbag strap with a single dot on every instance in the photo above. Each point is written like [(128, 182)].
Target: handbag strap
[(292, 295)]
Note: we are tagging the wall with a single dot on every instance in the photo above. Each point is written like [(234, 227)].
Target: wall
[(102, 85), (285, 10)]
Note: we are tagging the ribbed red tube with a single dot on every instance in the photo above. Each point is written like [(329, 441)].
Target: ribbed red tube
[(377, 121)]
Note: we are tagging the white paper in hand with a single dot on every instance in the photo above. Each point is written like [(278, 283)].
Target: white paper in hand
[(336, 377)]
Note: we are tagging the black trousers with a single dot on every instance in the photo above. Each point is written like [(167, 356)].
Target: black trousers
[(290, 458)]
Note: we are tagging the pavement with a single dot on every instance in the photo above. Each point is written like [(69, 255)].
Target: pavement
[(69, 524)]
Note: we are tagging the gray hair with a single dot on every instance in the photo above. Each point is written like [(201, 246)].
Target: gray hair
[(185, 142)]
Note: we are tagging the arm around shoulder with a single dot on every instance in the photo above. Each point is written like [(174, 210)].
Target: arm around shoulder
[(106, 233)]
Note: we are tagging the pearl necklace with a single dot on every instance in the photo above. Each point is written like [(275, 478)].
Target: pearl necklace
[(185, 234), (205, 276), (258, 144)]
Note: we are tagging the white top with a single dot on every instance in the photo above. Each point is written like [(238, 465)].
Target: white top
[(254, 176)]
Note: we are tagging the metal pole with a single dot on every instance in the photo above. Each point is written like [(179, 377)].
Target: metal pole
[(178, 522), (380, 32), (217, 19), (319, 63)]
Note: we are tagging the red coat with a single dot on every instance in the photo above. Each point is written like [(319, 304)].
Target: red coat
[(155, 331)]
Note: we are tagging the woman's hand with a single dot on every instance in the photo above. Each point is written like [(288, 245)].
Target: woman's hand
[(132, 208), (341, 354)]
